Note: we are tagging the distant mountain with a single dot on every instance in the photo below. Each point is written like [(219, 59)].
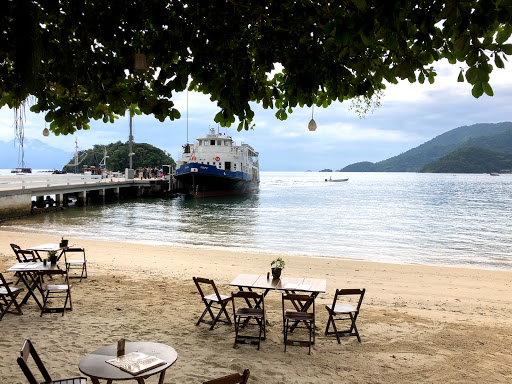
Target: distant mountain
[(38, 155), (470, 160), (496, 137)]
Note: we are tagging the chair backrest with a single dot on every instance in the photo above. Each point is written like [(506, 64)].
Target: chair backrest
[(28, 350), (24, 256), (247, 295), (234, 378), (203, 284), (15, 248), (350, 292), (295, 299), (3, 283), (74, 250)]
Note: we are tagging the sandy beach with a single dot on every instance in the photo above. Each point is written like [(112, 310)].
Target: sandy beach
[(417, 323)]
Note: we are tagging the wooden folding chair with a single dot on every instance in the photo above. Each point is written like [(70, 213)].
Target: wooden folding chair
[(26, 256), (8, 296), (344, 310), (234, 378), (247, 314), (292, 318), (212, 301), (76, 263), (28, 350), (57, 291)]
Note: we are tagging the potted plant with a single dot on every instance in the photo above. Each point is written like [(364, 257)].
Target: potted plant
[(277, 266), (52, 257), (63, 243)]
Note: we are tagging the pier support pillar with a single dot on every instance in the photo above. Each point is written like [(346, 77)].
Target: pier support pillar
[(40, 203), (116, 193), (102, 195), (58, 200), (81, 198)]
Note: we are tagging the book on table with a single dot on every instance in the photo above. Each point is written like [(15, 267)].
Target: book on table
[(136, 362)]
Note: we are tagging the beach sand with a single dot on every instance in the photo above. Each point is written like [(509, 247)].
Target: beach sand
[(417, 323)]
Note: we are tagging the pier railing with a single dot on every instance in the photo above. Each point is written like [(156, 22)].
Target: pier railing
[(15, 181)]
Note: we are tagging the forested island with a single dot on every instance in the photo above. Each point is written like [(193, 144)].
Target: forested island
[(145, 155)]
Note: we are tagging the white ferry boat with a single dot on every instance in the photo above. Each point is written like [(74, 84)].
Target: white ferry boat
[(215, 166)]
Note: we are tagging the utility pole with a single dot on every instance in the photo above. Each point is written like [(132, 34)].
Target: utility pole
[(76, 154), (130, 139)]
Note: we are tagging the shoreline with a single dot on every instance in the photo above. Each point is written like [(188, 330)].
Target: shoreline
[(417, 323), (273, 253)]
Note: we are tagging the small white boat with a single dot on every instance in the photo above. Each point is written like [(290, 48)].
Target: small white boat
[(21, 171), (336, 180)]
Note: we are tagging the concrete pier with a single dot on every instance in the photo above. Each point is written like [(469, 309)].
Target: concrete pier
[(22, 197)]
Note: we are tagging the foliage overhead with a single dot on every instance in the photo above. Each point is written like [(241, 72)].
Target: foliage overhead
[(76, 58), (145, 155)]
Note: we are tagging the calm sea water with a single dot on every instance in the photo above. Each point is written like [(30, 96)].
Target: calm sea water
[(405, 218)]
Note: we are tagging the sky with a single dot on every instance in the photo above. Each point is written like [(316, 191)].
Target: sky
[(409, 115)]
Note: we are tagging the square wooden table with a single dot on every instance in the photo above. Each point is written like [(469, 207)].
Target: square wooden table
[(29, 273), (287, 284), (48, 247)]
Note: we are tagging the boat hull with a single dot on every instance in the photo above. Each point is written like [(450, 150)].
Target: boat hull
[(200, 180)]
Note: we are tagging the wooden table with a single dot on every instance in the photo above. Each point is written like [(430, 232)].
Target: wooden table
[(48, 247), (29, 273), (286, 284), (95, 366)]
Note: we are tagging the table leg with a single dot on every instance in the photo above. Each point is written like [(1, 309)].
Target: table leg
[(30, 290), (162, 376), (96, 381), (141, 381)]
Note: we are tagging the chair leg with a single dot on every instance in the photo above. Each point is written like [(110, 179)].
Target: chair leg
[(285, 334), (45, 300), (237, 326), (226, 313), (353, 328)]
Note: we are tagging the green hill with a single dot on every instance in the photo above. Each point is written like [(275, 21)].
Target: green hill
[(145, 155), (470, 160), (497, 137)]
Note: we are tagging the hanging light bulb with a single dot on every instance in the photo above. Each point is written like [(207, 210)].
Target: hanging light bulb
[(140, 62), (312, 123), (46, 132)]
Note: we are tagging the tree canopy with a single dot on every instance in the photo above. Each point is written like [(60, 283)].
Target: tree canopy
[(145, 155), (76, 58)]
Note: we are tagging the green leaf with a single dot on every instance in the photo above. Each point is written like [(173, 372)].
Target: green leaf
[(507, 49), (497, 60), (461, 43), (477, 90), (360, 4), (488, 89), (504, 34), (421, 78), (460, 79)]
